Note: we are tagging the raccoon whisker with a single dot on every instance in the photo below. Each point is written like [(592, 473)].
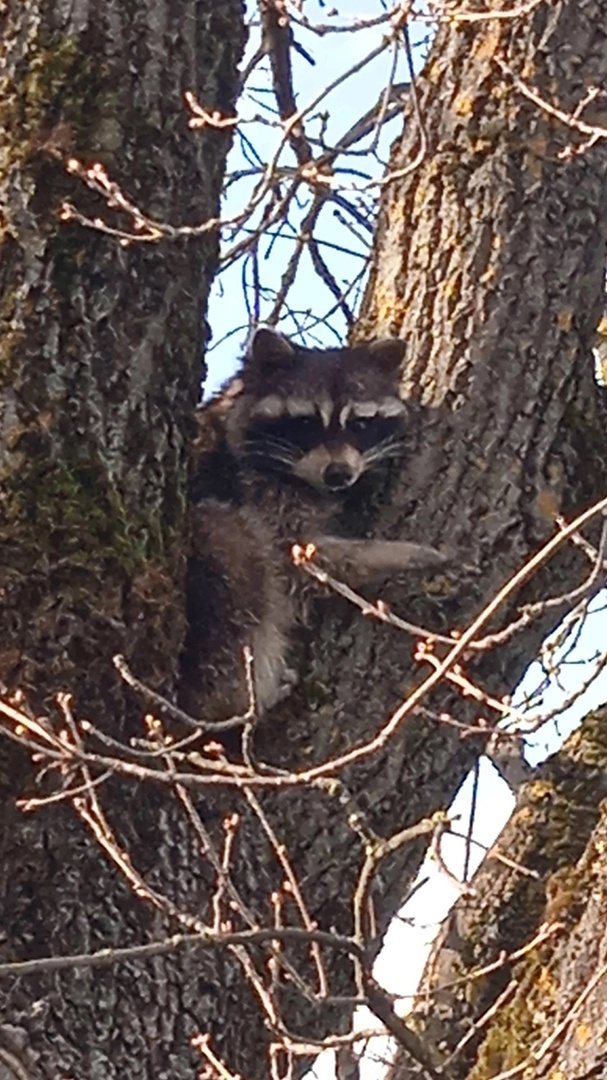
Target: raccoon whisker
[(388, 449), (376, 459), (267, 456), (258, 457), (395, 445), (389, 440), (271, 450), (273, 441)]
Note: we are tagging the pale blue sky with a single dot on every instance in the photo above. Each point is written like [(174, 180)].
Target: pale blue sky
[(332, 55)]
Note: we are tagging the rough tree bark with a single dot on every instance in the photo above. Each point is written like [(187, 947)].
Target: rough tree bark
[(544, 1013), (489, 259), (101, 353)]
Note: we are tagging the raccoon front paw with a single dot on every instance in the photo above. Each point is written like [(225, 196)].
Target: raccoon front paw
[(368, 558)]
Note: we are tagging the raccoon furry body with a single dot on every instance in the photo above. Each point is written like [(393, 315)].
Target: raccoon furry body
[(300, 428)]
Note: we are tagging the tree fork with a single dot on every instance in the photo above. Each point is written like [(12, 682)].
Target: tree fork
[(499, 333)]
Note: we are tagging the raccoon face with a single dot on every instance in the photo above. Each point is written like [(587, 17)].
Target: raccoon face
[(324, 417)]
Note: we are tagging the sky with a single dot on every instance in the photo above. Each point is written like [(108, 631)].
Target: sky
[(228, 315), (411, 935)]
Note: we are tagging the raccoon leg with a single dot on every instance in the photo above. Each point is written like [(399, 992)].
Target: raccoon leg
[(235, 597), (363, 560)]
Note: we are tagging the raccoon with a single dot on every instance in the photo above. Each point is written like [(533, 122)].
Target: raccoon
[(301, 427)]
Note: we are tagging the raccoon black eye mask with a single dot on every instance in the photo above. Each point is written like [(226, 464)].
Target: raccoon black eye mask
[(322, 416), (305, 447)]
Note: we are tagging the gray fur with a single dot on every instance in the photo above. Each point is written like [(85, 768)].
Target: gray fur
[(303, 426)]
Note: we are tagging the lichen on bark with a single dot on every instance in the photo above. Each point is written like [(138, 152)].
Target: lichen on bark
[(541, 894), (102, 344)]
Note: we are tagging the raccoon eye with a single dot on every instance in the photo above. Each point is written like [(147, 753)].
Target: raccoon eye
[(360, 423), (304, 425), (299, 431)]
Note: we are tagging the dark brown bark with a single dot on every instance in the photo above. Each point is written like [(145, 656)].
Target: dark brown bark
[(553, 997), (101, 344), (100, 366)]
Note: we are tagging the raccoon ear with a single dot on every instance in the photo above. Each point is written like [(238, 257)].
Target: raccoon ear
[(387, 353), (269, 349)]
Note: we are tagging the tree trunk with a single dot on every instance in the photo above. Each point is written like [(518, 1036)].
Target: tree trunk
[(544, 1011), (101, 362), (489, 259)]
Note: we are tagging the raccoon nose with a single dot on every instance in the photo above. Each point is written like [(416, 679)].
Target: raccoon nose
[(338, 476)]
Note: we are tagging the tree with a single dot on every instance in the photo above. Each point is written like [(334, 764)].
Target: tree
[(518, 960), (489, 261)]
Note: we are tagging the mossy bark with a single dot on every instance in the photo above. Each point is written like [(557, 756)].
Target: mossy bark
[(101, 351), (551, 891)]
